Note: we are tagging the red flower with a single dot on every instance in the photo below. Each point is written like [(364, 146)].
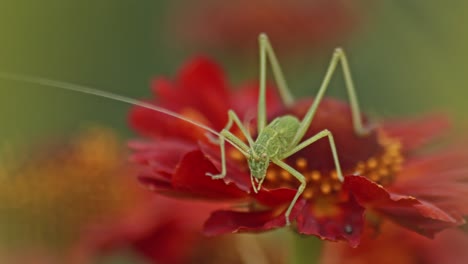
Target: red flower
[(234, 25), (396, 245), (422, 193), (78, 194), (164, 230)]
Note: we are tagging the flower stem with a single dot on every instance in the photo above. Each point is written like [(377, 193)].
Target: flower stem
[(307, 249)]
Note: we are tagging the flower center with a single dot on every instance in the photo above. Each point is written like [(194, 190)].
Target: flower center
[(380, 168)]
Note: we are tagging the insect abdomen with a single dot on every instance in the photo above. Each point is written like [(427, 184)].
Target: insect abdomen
[(276, 137)]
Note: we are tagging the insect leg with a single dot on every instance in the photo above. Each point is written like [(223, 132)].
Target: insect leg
[(236, 142), (338, 57), (301, 188), (233, 118), (267, 52), (309, 141)]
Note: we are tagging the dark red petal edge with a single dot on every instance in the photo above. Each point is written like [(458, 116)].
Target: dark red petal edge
[(419, 216), (347, 223), (190, 177), (440, 178), (234, 174), (225, 222)]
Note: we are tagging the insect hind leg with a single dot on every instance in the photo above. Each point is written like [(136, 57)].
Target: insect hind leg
[(311, 140), (339, 56)]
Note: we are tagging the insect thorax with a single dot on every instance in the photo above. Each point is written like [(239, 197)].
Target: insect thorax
[(276, 138)]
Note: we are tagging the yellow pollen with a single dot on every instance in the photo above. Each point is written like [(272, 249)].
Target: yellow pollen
[(334, 175), (301, 163), (383, 171), (374, 176), (336, 186), (285, 175), (372, 163), (325, 188), (396, 167), (360, 166), (236, 155), (316, 175), (308, 193), (398, 159), (271, 175), (381, 168)]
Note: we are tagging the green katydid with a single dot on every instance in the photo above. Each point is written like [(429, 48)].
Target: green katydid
[(276, 141), (282, 137)]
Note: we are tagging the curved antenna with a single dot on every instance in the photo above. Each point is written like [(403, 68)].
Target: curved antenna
[(96, 92)]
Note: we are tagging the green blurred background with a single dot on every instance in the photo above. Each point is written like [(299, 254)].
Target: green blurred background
[(407, 57)]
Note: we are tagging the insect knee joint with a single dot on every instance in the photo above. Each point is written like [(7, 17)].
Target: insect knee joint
[(212, 139), (339, 51), (262, 37)]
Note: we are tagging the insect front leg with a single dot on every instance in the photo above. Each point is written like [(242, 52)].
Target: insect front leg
[(338, 57), (235, 141), (309, 141), (300, 190)]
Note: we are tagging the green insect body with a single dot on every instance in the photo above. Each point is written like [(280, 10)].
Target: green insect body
[(274, 140)]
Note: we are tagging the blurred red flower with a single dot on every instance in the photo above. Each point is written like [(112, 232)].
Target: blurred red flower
[(234, 25), (48, 194), (165, 230), (387, 178), (73, 201), (397, 245)]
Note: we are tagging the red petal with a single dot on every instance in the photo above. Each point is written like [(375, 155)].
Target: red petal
[(158, 229), (151, 123), (200, 94), (275, 197), (203, 86), (417, 132), (420, 216), (234, 174), (441, 179), (341, 221), (190, 177), (202, 72), (396, 245), (224, 222), (161, 156)]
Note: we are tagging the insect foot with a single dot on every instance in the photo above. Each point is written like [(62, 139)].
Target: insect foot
[(215, 176)]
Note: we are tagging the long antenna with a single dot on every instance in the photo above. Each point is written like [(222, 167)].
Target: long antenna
[(96, 92)]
